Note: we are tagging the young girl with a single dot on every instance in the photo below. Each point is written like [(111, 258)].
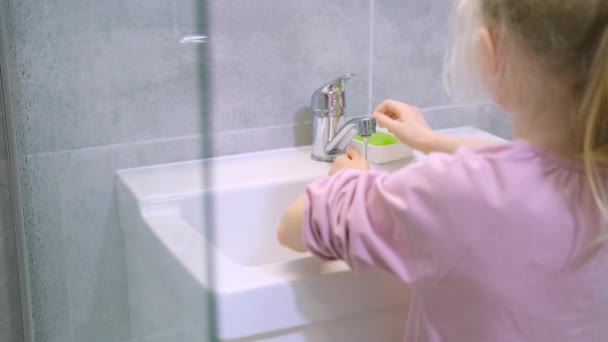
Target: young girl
[(499, 243)]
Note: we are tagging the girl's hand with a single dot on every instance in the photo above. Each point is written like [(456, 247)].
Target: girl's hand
[(353, 159), (406, 123)]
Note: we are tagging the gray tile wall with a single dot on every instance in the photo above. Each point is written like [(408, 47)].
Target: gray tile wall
[(10, 300), (409, 43), (103, 85)]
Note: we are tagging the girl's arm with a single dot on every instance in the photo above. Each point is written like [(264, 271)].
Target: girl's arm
[(415, 223), (408, 124), (290, 229)]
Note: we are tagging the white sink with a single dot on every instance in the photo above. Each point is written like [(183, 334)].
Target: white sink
[(210, 227)]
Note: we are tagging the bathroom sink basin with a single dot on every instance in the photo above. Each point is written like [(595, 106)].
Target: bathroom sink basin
[(210, 226), (246, 212)]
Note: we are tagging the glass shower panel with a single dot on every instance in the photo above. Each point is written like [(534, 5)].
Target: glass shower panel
[(94, 91)]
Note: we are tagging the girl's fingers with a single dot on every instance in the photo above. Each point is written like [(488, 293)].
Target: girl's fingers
[(385, 121), (392, 108), (353, 153)]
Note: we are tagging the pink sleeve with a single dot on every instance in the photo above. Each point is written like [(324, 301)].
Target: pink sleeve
[(414, 223)]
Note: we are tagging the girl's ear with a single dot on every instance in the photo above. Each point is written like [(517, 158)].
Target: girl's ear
[(488, 46)]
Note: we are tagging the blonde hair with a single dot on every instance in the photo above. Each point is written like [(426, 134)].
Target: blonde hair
[(565, 40), (594, 105)]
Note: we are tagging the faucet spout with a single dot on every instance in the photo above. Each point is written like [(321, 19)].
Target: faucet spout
[(362, 126)]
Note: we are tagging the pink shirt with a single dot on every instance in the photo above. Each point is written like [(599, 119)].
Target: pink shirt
[(496, 243)]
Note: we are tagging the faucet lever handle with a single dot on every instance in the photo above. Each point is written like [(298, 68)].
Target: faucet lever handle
[(336, 85), (330, 99)]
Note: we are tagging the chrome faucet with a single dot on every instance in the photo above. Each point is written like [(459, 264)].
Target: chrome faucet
[(330, 135)]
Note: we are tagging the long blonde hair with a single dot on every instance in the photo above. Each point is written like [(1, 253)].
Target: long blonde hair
[(567, 39), (594, 106)]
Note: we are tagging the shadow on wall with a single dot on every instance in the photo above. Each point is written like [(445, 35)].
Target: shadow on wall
[(166, 303), (96, 316), (10, 311), (302, 128)]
